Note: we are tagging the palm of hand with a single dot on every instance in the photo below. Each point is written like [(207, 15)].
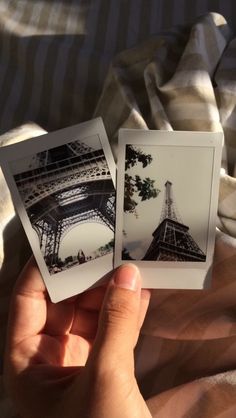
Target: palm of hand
[(49, 345), (69, 331), (46, 336)]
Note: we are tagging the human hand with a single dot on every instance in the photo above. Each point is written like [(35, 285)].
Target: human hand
[(74, 359)]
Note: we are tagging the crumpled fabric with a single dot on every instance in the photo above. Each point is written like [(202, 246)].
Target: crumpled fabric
[(185, 358)]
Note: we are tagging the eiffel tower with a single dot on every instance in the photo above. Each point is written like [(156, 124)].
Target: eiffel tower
[(172, 240), (66, 186)]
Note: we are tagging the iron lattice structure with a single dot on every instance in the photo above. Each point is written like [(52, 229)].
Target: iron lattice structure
[(68, 185), (172, 240)]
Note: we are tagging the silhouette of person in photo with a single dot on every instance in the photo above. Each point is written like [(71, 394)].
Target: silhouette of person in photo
[(81, 257)]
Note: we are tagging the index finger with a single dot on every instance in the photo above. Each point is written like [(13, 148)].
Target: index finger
[(28, 309)]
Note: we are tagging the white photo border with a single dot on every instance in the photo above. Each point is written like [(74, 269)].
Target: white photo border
[(170, 274), (77, 278)]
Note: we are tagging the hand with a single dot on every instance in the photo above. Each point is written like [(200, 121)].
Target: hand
[(75, 359)]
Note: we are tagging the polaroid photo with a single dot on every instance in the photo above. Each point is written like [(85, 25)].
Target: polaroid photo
[(63, 188), (168, 185)]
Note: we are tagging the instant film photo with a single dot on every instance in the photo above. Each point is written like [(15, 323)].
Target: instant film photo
[(62, 186), (168, 185)]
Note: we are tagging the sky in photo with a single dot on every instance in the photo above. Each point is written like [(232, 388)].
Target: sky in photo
[(189, 169), (88, 237)]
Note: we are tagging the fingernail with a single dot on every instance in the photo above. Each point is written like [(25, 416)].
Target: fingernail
[(127, 277)]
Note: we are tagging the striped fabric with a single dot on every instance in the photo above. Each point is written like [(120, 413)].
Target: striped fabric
[(54, 58), (54, 55), (182, 80)]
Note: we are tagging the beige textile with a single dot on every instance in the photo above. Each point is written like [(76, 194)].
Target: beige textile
[(182, 80), (186, 355)]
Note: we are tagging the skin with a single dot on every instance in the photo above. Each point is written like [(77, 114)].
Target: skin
[(75, 359)]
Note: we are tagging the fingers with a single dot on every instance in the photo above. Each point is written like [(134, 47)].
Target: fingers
[(28, 305), (85, 324), (122, 314), (144, 303), (59, 318), (92, 299), (86, 313), (77, 315), (30, 281)]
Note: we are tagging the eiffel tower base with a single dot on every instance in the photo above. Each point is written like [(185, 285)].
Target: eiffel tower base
[(172, 242)]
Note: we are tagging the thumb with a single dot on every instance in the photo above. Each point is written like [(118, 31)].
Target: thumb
[(119, 317)]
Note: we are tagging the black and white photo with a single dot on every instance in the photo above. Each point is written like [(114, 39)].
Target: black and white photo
[(168, 184), (66, 199), (69, 197)]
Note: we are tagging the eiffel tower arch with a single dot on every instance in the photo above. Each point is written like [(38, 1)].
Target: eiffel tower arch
[(66, 186), (172, 240)]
